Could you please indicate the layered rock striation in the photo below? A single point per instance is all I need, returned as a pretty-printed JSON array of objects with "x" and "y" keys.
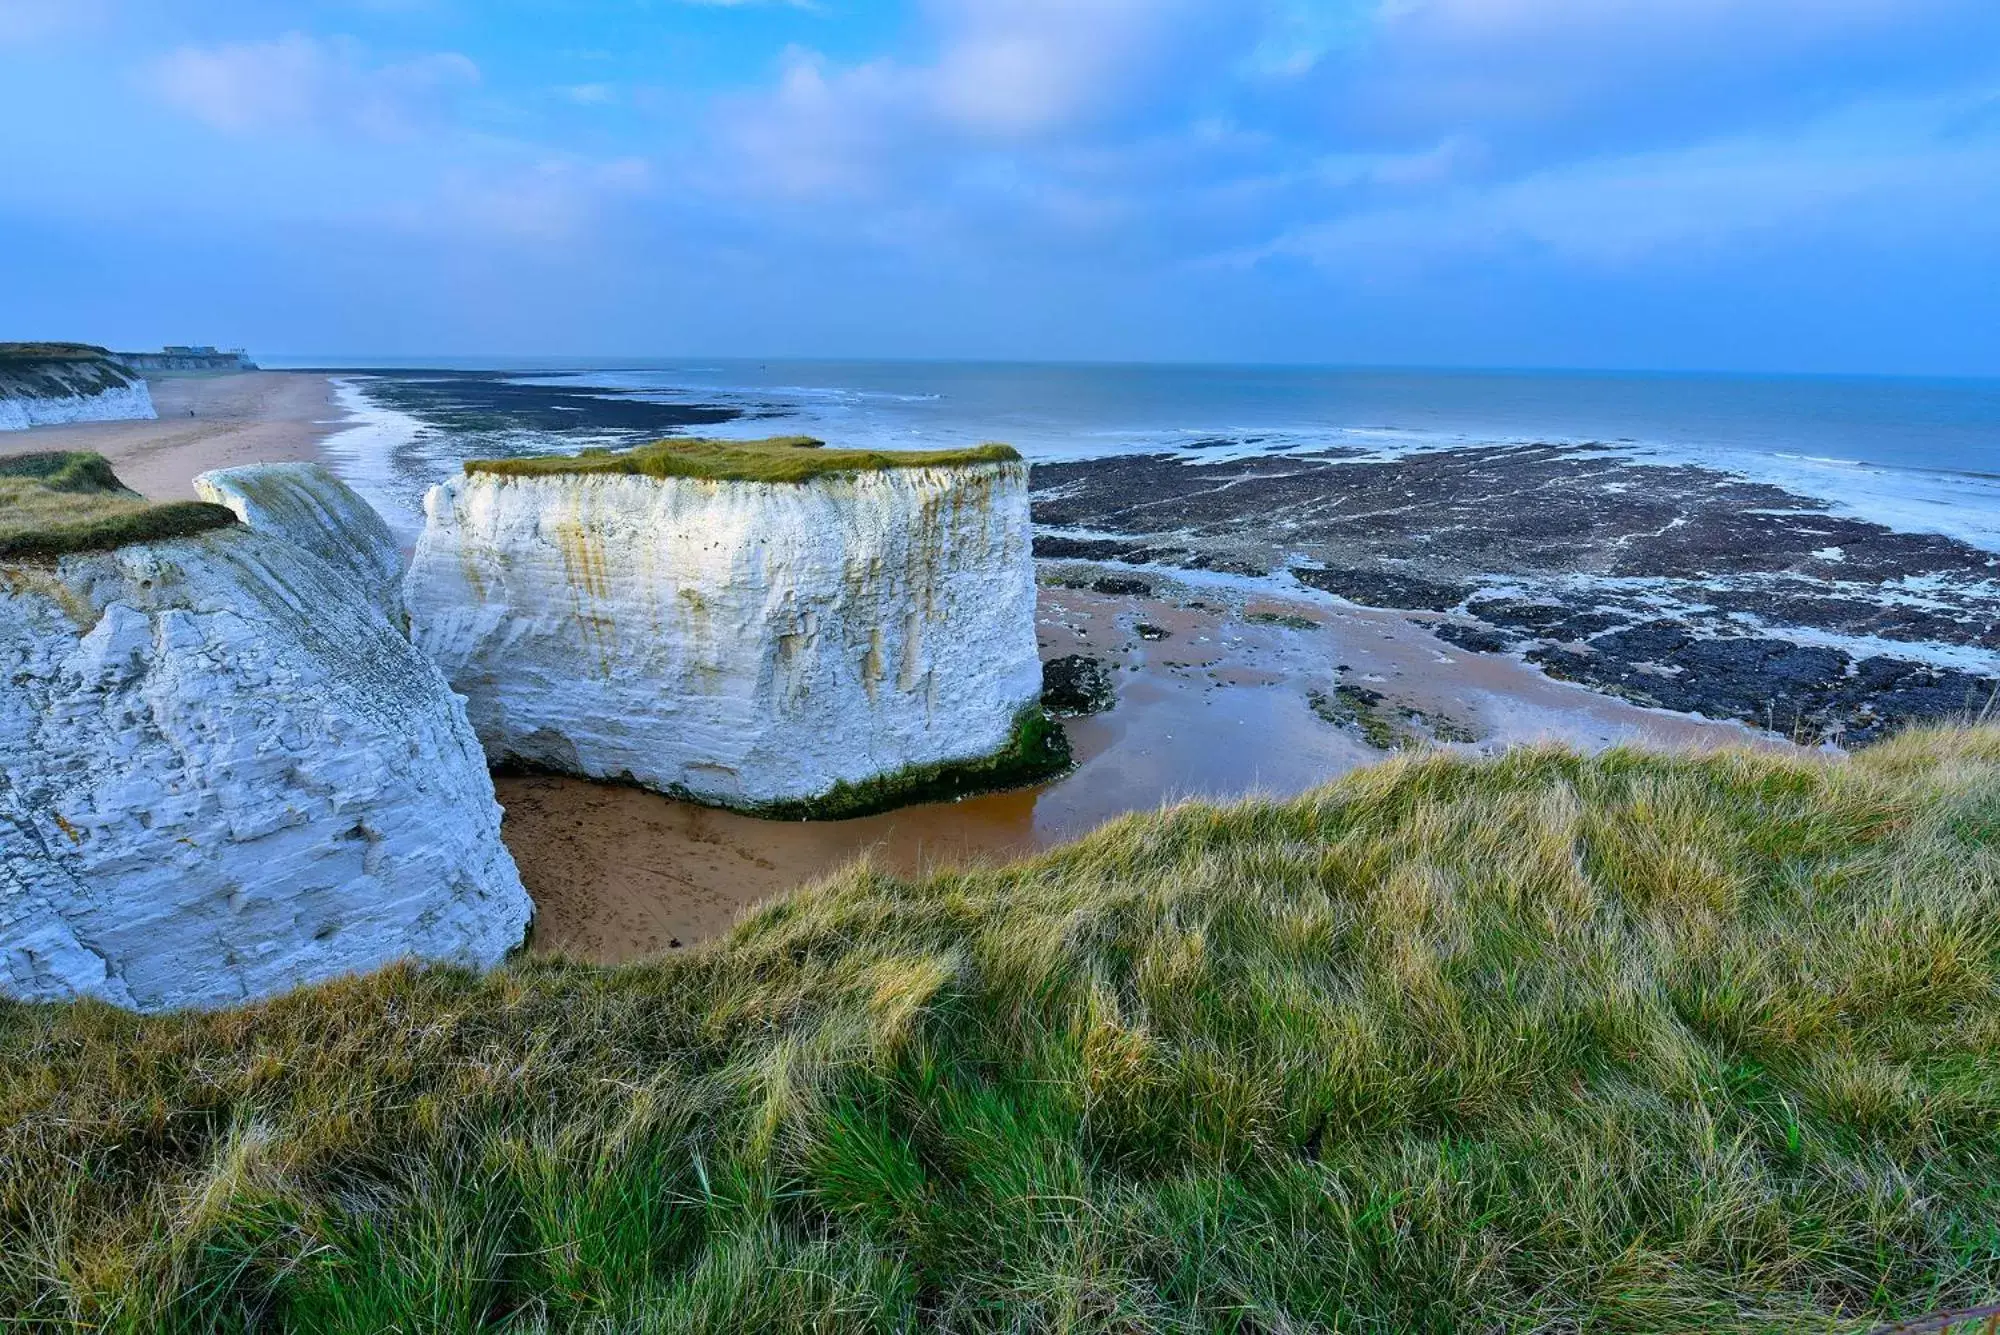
[
  {"x": 768, "y": 627},
  {"x": 306, "y": 505},
  {"x": 223, "y": 772},
  {"x": 42, "y": 384}
]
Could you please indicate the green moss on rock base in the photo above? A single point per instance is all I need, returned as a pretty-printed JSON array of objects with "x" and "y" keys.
[
  {"x": 59, "y": 504},
  {"x": 1037, "y": 751},
  {"x": 779, "y": 459}
]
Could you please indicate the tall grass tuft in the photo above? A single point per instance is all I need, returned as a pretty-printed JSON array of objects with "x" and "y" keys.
[
  {"x": 1640, "y": 1042},
  {"x": 57, "y": 504}
]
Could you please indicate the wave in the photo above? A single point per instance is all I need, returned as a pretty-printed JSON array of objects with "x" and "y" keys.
[{"x": 366, "y": 454}]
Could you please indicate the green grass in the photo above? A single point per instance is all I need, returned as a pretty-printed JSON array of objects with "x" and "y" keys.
[
  {"x": 52, "y": 352},
  {"x": 1290, "y": 621},
  {"x": 1360, "y": 709},
  {"x": 780, "y": 459},
  {"x": 58, "y": 504},
  {"x": 1635, "y": 1043}
]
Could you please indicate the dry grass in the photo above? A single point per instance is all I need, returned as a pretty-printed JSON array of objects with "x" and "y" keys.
[
  {"x": 779, "y": 459},
  {"x": 1632, "y": 1043},
  {"x": 56, "y": 504}
]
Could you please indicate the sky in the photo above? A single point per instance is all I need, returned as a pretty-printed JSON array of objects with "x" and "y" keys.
[{"x": 1738, "y": 185}]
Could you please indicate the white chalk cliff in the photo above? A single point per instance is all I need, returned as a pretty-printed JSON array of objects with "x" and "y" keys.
[
  {"x": 740, "y": 642},
  {"x": 223, "y": 773},
  {"x": 52, "y": 392},
  {"x": 308, "y": 506}
]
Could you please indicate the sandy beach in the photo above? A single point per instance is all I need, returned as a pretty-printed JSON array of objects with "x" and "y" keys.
[
  {"x": 1220, "y": 693},
  {"x": 205, "y": 421}
]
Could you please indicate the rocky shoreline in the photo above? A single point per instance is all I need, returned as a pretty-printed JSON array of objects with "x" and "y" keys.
[
  {"x": 472, "y": 402},
  {"x": 1670, "y": 585}
]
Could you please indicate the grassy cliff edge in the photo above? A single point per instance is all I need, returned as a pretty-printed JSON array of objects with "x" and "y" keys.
[
  {"x": 1632, "y": 1042},
  {"x": 59, "y": 504},
  {"x": 778, "y": 459}
]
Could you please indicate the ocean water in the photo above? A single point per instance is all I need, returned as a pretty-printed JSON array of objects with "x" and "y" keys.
[{"x": 1917, "y": 455}]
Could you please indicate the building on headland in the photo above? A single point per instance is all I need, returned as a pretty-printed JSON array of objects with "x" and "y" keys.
[{"x": 189, "y": 357}]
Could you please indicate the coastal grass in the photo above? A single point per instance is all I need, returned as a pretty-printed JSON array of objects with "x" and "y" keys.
[
  {"x": 16, "y": 353},
  {"x": 57, "y": 504},
  {"x": 779, "y": 459},
  {"x": 1639, "y": 1042}
]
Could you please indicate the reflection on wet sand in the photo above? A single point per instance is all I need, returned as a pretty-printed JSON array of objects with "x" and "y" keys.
[{"x": 1218, "y": 707}]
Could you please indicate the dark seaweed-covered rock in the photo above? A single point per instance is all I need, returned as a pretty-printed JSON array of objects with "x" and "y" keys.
[
  {"x": 1521, "y": 613},
  {"x": 1055, "y": 547},
  {"x": 1475, "y": 638},
  {"x": 1122, "y": 587},
  {"x": 1381, "y": 588},
  {"x": 1548, "y": 620},
  {"x": 1674, "y": 584},
  {"x": 501, "y": 400},
  {"x": 1806, "y": 691},
  {"x": 1077, "y": 685},
  {"x": 1051, "y": 547}
]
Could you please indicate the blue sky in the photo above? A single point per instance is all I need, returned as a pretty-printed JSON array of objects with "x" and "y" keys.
[{"x": 1677, "y": 184}]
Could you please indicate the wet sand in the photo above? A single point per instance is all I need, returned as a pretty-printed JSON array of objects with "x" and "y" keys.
[
  {"x": 206, "y": 421},
  {"x": 1219, "y": 708}
]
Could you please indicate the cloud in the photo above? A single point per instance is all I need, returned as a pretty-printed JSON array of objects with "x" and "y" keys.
[
  {"x": 1319, "y": 148},
  {"x": 298, "y": 82},
  {"x": 1376, "y": 141},
  {"x": 1881, "y": 172},
  {"x": 1004, "y": 75},
  {"x": 1573, "y": 72},
  {"x": 401, "y": 154}
]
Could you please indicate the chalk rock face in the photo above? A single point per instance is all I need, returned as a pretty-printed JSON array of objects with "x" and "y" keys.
[
  {"x": 47, "y": 393},
  {"x": 224, "y": 773},
  {"x": 308, "y": 506},
  {"x": 740, "y": 642}
]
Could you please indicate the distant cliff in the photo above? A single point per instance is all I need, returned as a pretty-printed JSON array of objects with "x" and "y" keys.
[
  {"x": 172, "y": 358},
  {"x": 46, "y": 383}
]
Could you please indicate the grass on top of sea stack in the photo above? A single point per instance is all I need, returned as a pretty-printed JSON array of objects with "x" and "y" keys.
[
  {"x": 1637, "y": 1042},
  {"x": 57, "y": 504},
  {"x": 779, "y": 459}
]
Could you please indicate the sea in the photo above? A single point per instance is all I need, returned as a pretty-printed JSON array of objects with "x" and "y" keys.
[{"x": 1918, "y": 455}]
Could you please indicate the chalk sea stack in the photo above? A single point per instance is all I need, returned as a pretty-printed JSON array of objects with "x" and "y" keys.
[
  {"x": 771, "y": 626},
  {"x": 223, "y": 771}
]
